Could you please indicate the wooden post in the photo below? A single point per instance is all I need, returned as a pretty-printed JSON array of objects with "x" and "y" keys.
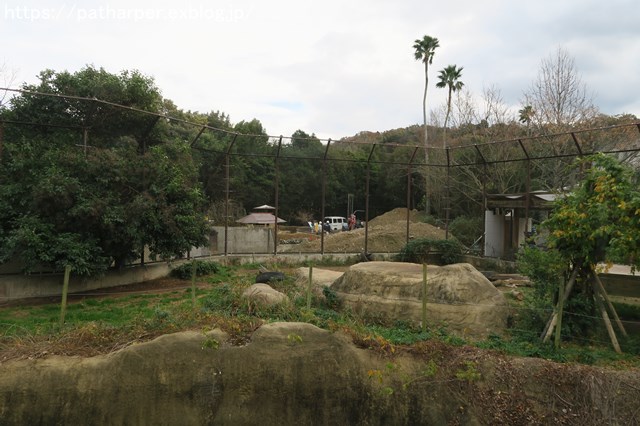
[
  {"x": 603, "y": 292},
  {"x": 65, "y": 290},
  {"x": 605, "y": 317},
  {"x": 309, "y": 286},
  {"x": 559, "y": 310},
  {"x": 194, "y": 270},
  {"x": 424, "y": 297},
  {"x": 548, "y": 330}
]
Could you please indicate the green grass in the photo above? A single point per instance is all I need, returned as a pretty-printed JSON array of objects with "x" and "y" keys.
[
  {"x": 220, "y": 305},
  {"x": 115, "y": 312}
]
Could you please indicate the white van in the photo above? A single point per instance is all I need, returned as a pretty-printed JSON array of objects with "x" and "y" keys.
[{"x": 336, "y": 223}]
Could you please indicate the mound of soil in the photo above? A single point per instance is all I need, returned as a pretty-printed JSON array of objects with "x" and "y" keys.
[{"x": 386, "y": 234}]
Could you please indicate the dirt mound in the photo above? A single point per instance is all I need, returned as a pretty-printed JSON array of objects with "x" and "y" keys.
[{"x": 387, "y": 233}]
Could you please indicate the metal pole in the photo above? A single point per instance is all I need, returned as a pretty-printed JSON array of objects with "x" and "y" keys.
[
  {"x": 366, "y": 212},
  {"x": 408, "y": 199},
  {"x": 324, "y": 193},
  {"x": 277, "y": 194},
  {"x": 226, "y": 204},
  {"x": 366, "y": 203},
  {"x": 226, "y": 195},
  {"x": 448, "y": 201},
  {"x": 527, "y": 228}
]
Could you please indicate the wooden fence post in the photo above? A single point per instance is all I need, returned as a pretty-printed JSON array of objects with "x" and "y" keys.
[
  {"x": 424, "y": 297},
  {"x": 309, "y": 285},
  {"x": 65, "y": 290},
  {"x": 194, "y": 271}
]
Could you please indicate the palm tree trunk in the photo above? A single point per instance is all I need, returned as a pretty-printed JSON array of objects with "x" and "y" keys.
[
  {"x": 446, "y": 120},
  {"x": 426, "y": 139}
]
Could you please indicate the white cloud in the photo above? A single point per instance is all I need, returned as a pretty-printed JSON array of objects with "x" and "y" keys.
[{"x": 331, "y": 68}]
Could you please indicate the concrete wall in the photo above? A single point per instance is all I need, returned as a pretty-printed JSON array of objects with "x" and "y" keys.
[
  {"x": 13, "y": 287},
  {"x": 257, "y": 239}
]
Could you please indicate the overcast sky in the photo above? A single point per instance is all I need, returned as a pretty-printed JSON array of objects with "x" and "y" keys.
[{"x": 333, "y": 68}]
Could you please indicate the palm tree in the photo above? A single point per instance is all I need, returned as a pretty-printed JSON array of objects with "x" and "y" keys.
[
  {"x": 424, "y": 51},
  {"x": 526, "y": 115},
  {"x": 449, "y": 77}
]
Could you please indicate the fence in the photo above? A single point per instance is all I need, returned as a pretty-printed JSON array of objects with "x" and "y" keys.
[{"x": 446, "y": 167}]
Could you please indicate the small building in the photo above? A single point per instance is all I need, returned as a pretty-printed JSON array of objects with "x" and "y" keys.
[
  {"x": 508, "y": 220},
  {"x": 261, "y": 215}
]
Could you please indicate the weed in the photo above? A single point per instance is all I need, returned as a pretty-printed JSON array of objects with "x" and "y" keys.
[
  {"x": 470, "y": 373},
  {"x": 210, "y": 343},
  {"x": 293, "y": 339},
  {"x": 331, "y": 298}
]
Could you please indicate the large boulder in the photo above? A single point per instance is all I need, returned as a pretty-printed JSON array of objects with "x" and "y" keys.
[
  {"x": 459, "y": 297},
  {"x": 320, "y": 278},
  {"x": 264, "y": 295},
  {"x": 298, "y": 374}
]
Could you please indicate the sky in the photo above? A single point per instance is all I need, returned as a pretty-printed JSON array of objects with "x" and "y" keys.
[{"x": 331, "y": 68}]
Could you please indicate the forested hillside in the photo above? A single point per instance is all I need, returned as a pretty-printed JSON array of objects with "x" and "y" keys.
[{"x": 94, "y": 166}]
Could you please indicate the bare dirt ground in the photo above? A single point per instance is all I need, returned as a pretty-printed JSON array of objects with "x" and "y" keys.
[{"x": 387, "y": 233}]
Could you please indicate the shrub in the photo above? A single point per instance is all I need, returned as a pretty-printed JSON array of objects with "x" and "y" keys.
[
  {"x": 417, "y": 251},
  {"x": 185, "y": 270},
  {"x": 466, "y": 229},
  {"x": 331, "y": 297}
]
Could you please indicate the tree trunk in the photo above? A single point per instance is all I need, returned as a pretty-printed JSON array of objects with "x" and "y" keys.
[
  {"x": 605, "y": 316},
  {"x": 446, "y": 120},
  {"x": 426, "y": 139},
  {"x": 548, "y": 330}
]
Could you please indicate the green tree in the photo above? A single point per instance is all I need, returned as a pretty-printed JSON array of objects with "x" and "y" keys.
[
  {"x": 62, "y": 203},
  {"x": 525, "y": 116},
  {"x": 449, "y": 77},
  {"x": 252, "y": 173},
  {"x": 599, "y": 221}
]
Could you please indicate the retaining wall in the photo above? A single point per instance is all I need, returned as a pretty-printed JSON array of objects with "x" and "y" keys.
[{"x": 17, "y": 286}]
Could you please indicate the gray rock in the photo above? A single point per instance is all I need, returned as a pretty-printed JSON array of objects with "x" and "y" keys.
[
  {"x": 264, "y": 296},
  {"x": 459, "y": 297}
]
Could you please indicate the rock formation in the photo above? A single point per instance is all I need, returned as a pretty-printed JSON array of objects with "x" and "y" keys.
[{"x": 459, "y": 297}]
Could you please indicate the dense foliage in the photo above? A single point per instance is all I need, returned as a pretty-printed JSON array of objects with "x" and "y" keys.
[
  {"x": 186, "y": 270},
  {"x": 600, "y": 219},
  {"x": 64, "y": 203},
  {"x": 596, "y": 221},
  {"x": 91, "y": 184},
  {"x": 419, "y": 251}
]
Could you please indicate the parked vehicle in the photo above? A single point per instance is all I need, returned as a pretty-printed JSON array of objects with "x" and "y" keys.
[{"x": 336, "y": 223}]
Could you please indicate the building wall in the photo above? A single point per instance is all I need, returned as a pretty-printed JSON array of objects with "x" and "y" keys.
[
  {"x": 503, "y": 237},
  {"x": 493, "y": 234}
]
